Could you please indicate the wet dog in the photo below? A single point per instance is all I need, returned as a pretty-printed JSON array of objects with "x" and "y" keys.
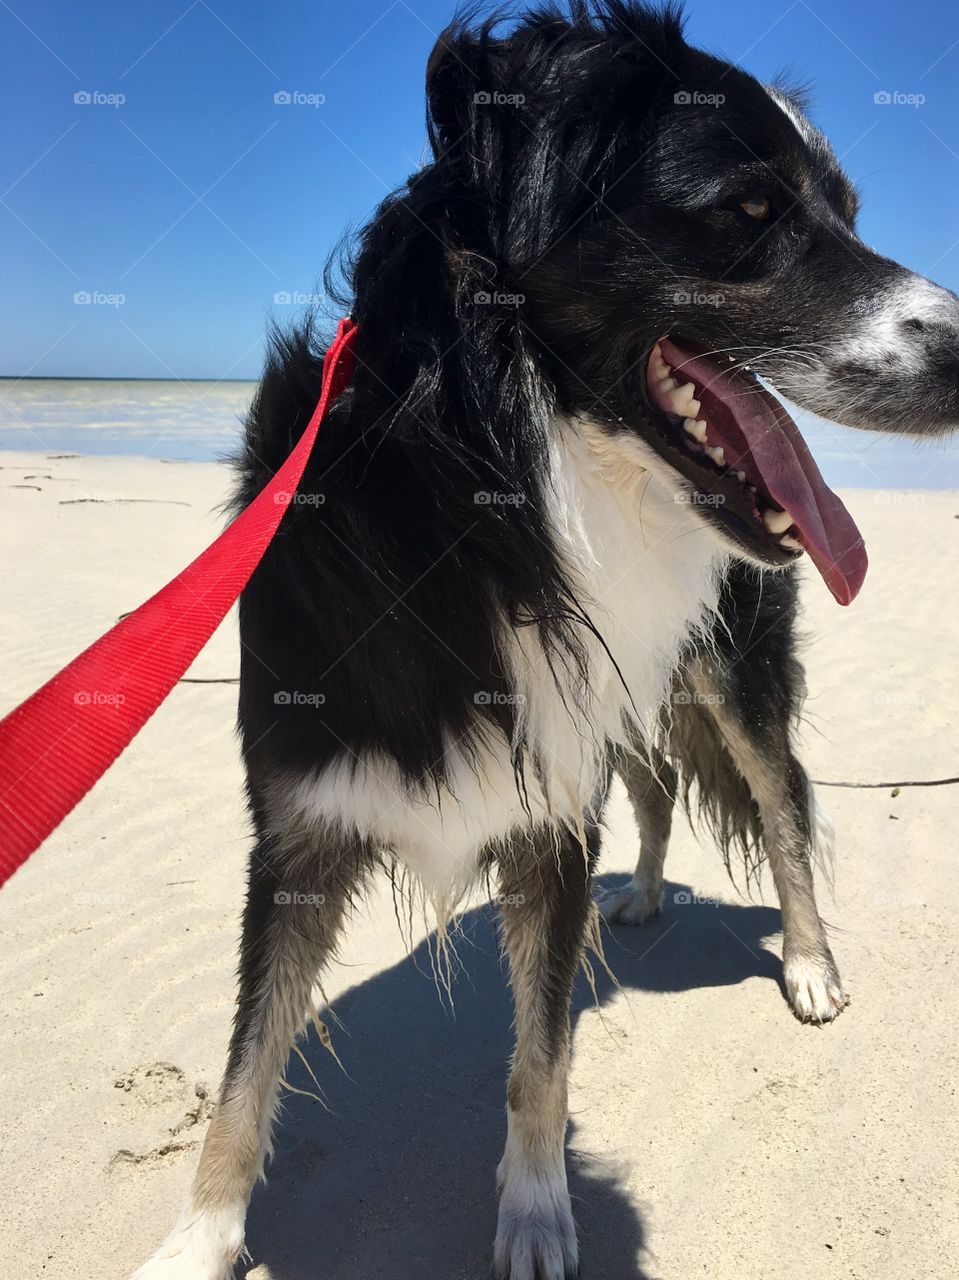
[{"x": 547, "y": 535}]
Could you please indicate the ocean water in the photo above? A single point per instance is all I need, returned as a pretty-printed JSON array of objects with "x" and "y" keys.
[
  {"x": 196, "y": 421},
  {"x": 200, "y": 421}
]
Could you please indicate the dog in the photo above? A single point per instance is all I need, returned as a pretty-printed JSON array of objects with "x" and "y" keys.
[{"x": 548, "y": 535}]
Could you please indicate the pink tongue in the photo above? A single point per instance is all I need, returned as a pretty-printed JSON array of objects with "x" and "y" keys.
[{"x": 780, "y": 456}]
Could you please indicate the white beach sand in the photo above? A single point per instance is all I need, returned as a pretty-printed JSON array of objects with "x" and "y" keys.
[{"x": 711, "y": 1134}]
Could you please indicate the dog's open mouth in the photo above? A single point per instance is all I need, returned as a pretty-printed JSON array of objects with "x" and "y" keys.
[{"x": 738, "y": 446}]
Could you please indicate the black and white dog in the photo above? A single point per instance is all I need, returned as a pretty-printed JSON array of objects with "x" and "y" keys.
[{"x": 547, "y": 534}]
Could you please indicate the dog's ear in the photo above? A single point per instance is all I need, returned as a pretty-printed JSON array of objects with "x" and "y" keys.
[
  {"x": 457, "y": 68},
  {"x": 472, "y": 83}
]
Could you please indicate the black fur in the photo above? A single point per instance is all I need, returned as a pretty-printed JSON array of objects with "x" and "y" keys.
[{"x": 579, "y": 186}]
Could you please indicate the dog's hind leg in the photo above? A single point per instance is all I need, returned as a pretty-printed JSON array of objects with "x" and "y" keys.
[
  {"x": 651, "y": 784},
  {"x": 298, "y": 890},
  {"x": 547, "y": 912}
]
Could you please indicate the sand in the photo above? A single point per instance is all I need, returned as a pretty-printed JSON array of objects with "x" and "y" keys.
[{"x": 711, "y": 1135}]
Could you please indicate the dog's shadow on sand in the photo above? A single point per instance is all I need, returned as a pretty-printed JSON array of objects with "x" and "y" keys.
[{"x": 396, "y": 1180}]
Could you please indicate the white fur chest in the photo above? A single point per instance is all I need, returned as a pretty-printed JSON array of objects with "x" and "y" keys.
[
  {"x": 642, "y": 553},
  {"x": 645, "y": 568}
]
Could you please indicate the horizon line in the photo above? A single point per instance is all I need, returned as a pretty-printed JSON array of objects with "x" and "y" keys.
[{"x": 106, "y": 377}]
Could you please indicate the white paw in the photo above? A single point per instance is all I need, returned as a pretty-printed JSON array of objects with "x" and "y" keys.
[
  {"x": 202, "y": 1246},
  {"x": 814, "y": 988},
  {"x": 633, "y": 903},
  {"x": 535, "y": 1233}
]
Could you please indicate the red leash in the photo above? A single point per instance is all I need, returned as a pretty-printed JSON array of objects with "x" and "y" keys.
[{"x": 55, "y": 746}]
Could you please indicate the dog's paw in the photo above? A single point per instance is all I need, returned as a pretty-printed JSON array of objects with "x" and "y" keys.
[
  {"x": 180, "y": 1268},
  {"x": 630, "y": 904},
  {"x": 202, "y": 1246},
  {"x": 535, "y": 1234},
  {"x": 814, "y": 988}
]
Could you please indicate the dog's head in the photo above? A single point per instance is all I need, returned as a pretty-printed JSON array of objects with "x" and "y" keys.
[{"x": 651, "y": 227}]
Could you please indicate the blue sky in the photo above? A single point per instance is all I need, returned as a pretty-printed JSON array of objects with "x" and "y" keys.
[{"x": 198, "y": 199}]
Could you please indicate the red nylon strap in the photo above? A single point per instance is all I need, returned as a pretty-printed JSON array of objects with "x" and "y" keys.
[{"x": 55, "y": 746}]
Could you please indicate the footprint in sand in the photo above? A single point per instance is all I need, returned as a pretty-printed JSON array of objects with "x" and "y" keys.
[
  {"x": 154, "y": 1083},
  {"x": 199, "y": 1112},
  {"x": 163, "y": 1155},
  {"x": 157, "y": 1084}
]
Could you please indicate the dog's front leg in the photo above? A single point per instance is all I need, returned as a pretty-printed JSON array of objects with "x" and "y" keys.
[
  {"x": 295, "y": 904},
  {"x": 763, "y": 754},
  {"x": 546, "y": 912}
]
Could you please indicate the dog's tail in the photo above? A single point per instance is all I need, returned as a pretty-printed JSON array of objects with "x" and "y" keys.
[{"x": 282, "y": 406}]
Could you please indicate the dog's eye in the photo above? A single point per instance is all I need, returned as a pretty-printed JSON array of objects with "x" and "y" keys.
[{"x": 756, "y": 208}]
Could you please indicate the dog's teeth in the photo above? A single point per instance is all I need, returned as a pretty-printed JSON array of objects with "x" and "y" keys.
[
  {"x": 777, "y": 522},
  {"x": 697, "y": 429},
  {"x": 684, "y": 406},
  {"x": 792, "y": 544},
  {"x": 717, "y": 455},
  {"x": 668, "y": 384},
  {"x": 740, "y": 476}
]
